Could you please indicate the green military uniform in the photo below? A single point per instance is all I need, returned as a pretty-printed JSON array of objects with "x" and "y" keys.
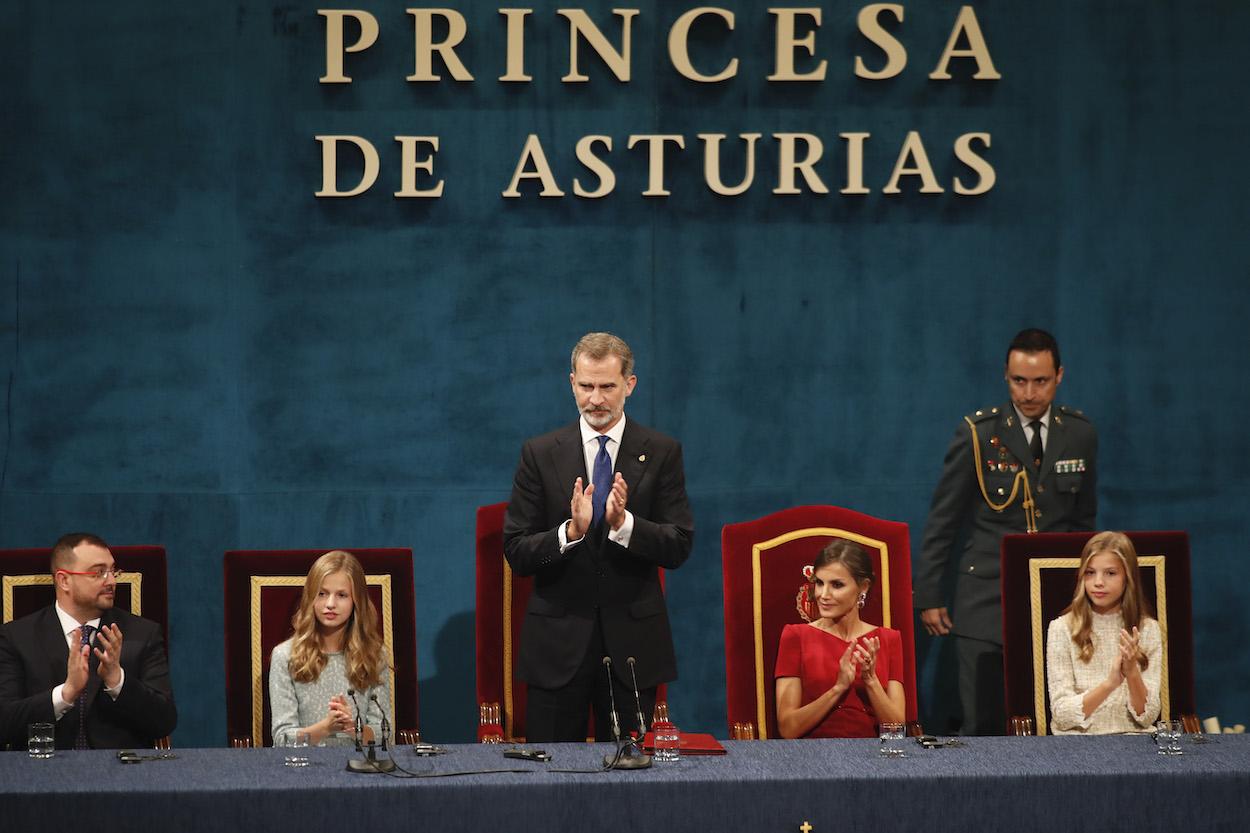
[{"x": 1064, "y": 499}]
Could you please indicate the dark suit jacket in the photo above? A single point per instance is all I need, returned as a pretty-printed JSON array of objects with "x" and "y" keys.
[
  {"x": 33, "y": 657},
  {"x": 1066, "y": 500},
  {"x": 597, "y": 576}
]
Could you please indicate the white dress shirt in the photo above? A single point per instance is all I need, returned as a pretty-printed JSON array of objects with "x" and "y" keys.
[{"x": 1027, "y": 424}]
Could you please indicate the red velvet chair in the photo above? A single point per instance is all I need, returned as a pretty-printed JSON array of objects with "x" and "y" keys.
[
  {"x": 501, "y": 602},
  {"x": 143, "y": 590},
  {"x": 1038, "y": 576},
  {"x": 762, "y": 563},
  {"x": 500, "y": 610},
  {"x": 262, "y": 590}
]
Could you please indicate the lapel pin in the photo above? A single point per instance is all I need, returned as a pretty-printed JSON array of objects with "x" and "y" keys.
[{"x": 642, "y": 458}]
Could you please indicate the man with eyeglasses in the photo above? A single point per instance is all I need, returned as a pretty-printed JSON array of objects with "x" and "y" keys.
[{"x": 98, "y": 672}]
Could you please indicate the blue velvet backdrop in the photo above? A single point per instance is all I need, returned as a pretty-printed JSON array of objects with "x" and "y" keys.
[{"x": 197, "y": 352}]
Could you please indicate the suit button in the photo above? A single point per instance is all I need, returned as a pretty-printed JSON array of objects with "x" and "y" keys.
[
  {"x": 1040, "y": 488},
  {"x": 972, "y": 569}
]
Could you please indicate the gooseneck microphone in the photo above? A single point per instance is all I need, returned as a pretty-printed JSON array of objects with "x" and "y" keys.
[
  {"x": 370, "y": 762},
  {"x": 386, "y": 723},
  {"x": 616, "y": 721},
  {"x": 628, "y": 755},
  {"x": 359, "y": 725},
  {"x": 642, "y": 722}
]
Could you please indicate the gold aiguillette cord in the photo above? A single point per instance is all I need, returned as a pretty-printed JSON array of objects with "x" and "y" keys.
[{"x": 1021, "y": 478}]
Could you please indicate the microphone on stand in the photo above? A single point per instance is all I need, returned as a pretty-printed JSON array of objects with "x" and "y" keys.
[
  {"x": 369, "y": 763},
  {"x": 616, "y": 721},
  {"x": 628, "y": 755},
  {"x": 386, "y": 724},
  {"x": 642, "y": 722},
  {"x": 359, "y": 726}
]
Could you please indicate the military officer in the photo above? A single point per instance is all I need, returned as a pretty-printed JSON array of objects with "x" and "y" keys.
[{"x": 1024, "y": 466}]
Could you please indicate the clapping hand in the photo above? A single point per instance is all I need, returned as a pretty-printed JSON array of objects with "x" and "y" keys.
[
  {"x": 339, "y": 718},
  {"x": 848, "y": 667},
  {"x": 614, "y": 512},
  {"x": 581, "y": 510},
  {"x": 1130, "y": 652},
  {"x": 109, "y": 652},
  {"x": 866, "y": 656},
  {"x": 76, "y": 669}
]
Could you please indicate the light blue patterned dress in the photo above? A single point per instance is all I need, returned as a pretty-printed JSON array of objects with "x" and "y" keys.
[{"x": 296, "y": 705}]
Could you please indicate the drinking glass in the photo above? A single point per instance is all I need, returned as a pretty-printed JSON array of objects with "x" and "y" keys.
[
  {"x": 40, "y": 740},
  {"x": 298, "y": 754},
  {"x": 1168, "y": 737},
  {"x": 491, "y": 730},
  {"x": 892, "y": 739},
  {"x": 666, "y": 736}
]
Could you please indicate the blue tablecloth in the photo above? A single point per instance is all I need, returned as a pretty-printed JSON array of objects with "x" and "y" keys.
[{"x": 1016, "y": 784}]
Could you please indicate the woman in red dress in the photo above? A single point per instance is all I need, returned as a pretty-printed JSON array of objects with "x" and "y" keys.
[{"x": 838, "y": 676}]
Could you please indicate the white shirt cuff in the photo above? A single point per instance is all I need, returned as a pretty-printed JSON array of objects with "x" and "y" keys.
[
  {"x": 562, "y": 535},
  {"x": 117, "y": 689},
  {"x": 621, "y": 536},
  {"x": 59, "y": 706}
]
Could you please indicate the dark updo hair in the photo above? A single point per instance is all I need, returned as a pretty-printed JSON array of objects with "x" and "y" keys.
[{"x": 851, "y": 556}]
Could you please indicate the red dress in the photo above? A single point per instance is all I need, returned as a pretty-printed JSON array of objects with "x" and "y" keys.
[{"x": 813, "y": 655}]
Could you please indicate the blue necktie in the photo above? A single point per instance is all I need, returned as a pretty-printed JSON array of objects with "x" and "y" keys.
[
  {"x": 602, "y": 478},
  {"x": 81, "y": 703}
]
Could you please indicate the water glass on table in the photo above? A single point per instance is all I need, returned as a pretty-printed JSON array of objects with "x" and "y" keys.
[
  {"x": 892, "y": 738},
  {"x": 297, "y": 756},
  {"x": 667, "y": 737},
  {"x": 490, "y": 728},
  {"x": 1168, "y": 737},
  {"x": 41, "y": 740}
]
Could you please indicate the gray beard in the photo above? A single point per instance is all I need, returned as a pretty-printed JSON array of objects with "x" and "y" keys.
[{"x": 597, "y": 419}]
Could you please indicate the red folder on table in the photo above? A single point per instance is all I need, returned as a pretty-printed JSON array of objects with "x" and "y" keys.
[{"x": 692, "y": 743}]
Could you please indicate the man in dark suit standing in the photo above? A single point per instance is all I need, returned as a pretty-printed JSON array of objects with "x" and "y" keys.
[
  {"x": 1023, "y": 466},
  {"x": 99, "y": 673},
  {"x": 596, "y": 508}
]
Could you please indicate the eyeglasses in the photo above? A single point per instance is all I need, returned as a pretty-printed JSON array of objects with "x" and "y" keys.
[{"x": 98, "y": 575}]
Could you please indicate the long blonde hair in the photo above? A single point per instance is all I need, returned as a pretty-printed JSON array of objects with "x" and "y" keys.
[
  {"x": 362, "y": 645},
  {"x": 1133, "y": 606}
]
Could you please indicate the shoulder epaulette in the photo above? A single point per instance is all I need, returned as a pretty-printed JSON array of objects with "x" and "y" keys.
[
  {"x": 983, "y": 414},
  {"x": 1073, "y": 412}
]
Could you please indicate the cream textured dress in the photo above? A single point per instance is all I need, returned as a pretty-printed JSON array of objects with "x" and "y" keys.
[{"x": 1068, "y": 678}]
